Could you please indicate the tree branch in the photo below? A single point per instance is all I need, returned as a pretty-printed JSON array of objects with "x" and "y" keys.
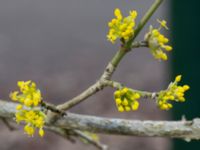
[
  {"x": 7, "y": 111},
  {"x": 99, "y": 85},
  {"x": 71, "y": 134},
  {"x": 81, "y": 97},
  {"x": 112, "y": 65},
  {"x": 84, "y": 136},
  {"x": 183, "y": 129},
  {"x": 144, "y": 20},
  {"x": 140, "y": 44},
  {"x": 118, "y": 85},
  {"x": 66, "y": 134},
  {"x": 175, "y": 129},
  {"x": 8, "y": 125}
]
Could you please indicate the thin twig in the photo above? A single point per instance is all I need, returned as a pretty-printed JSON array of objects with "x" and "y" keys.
[
  {"x": 140, "y": 44},
  {"x": 97, "y": 144},
  {"x": 81, "y": 97},
  {"x": 52, "y": 108},
  {"x": 8, "y": 125},
  {"x": 118, "y": 85},
  {"x": 71, "y": 134},
  {"x": 112, "y": 65},
  {"x": 144, "y": 20},
  {"x": 65, "y": 133}
]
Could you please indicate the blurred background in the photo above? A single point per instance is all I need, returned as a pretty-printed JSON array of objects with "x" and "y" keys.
[{"x": 62, "y": 46}]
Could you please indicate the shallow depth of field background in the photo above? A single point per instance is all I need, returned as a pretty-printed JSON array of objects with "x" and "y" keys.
[{"x": 62, "y": 46}]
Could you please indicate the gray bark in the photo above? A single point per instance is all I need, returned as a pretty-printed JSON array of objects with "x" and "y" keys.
[{"x": 187, "y": 130}]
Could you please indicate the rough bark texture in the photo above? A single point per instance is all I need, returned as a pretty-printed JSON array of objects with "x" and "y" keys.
[{"x": 187, "y": 130}]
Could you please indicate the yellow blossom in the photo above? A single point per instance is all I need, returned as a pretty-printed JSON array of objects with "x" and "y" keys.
[
  {"x": 178, "y": 78},
  {"x": 29, "y": 97},
  {"x": 19, "y": 107},
  {"x": 117, "y": 93},
  {"x": 121, "y": 27},
  {"x": 13, "y": 96},
  {"x": 41, "y": 132},
  {"x": 186, "y": 87},
  {"x": 157, "y": 41},
  {"x": 127, "y": 108},
  {"x": 126, "y": 99},
  {"x": 163, "y": 23},
  {"x": 135, "y": 105},
  {"x": 174, "y": 92},
  {"x": 29, "y": 130},
  {"x": 118, "y": 101},
  {"x": 120, "y": 108}
]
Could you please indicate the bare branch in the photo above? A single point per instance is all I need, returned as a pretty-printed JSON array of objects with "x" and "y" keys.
[
  {"x": 175, "y": 129},
  {"x": 99, "y": 85},
  {"x": 118, "y": 85},
  {"x": 71, "y": 134},
  {"x": 183, "y": 129},
  {"x": 90, "y": 140},
  {"x": 81, "y": 97},
  {"x": 144, "y": 20},
  {"x": 65, "y": 133},
  {"x": 53, "y": 108},
  {"x": 8, "y": 125},
  {"x": 140, "y": 44},
  {"x": 112, "y": 65}
]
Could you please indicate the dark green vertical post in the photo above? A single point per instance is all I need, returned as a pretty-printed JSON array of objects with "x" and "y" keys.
[{"x": 186, "y": 60}]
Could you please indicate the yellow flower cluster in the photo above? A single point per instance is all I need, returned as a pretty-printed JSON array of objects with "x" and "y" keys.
[
  {"x": 29, "y": 97},
  {"x": 157, "y": 41},
  {"x": 33, "y": 119},
  {"x": 121, "y": 27},
  {"x": 126, "y": 99},
  {"x": 174, "y": 92}
]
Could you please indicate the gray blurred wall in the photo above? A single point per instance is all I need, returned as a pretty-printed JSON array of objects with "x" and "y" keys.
[{"x": 62, "y": 46}]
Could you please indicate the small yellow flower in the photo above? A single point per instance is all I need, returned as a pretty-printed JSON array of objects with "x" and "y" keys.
[
  {"x": 121, "y": 27},
  {"x": 157, "y": 41},
  {"x": 19, "y": 107},
  {"x": 118, "y": 14},
  {"x": 135, "y": 105},
  {"x": 13, "y": 95},
  {"x": 39, "y": 122},
  {"x": 117, "y": 93},
  {"x": 121, "y": 108},
  {"x": 118, "y": 101},
  {"x": 41, "y": 132},
  {"x": 28, "y": 102},
  {"x": 137, "y": 95},
  {"x": 29, "y": 130},
  {"x": 178, "y": 78},
  {"x": 174, "y": 92},
  {"x": 19, "y": 116},
  {"x": 126, "y": 99},
  {"x": 163, "y": 23},
  {"x": 125, "y": 102},
  {"x": 30, "y": 97},
  {"x": 124, "y": 90},
  {"x": 128, "y": 108},
  {"x": 186, "y": 87}
]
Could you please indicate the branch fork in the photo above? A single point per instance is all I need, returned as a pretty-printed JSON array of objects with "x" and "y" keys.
[{"x": 60, "y": 122}]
